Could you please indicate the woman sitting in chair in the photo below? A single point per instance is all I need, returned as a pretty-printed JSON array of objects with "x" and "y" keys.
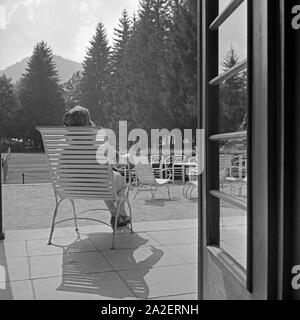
[{"x": 80, "y": 116}]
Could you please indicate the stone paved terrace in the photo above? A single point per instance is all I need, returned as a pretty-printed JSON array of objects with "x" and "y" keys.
[{"x": 158, "y": 261}]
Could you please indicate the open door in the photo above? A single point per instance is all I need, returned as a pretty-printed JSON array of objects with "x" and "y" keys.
[{"x": 241, "y": 82}]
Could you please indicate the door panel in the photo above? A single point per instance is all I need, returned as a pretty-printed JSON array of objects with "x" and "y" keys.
[{"x": 236, "y": 190}]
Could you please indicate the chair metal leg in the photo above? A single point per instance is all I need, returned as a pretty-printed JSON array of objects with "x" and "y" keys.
[
  {"x": 168, "y": 187},
  {"x": 53, "y": 220},
  {"x": 231, "y": 184},
  {"x": 153, "y": 193},
  {"x": 116, "y": 224},
  {"x": 114, "y": 234},
  {"x": 130, "y": 213},
  {"x": 75, "y": 217},
  {"x": 192, "y": 190},
  {"x": 136, "y": 193},
  {"x": 185, "y": 189}
]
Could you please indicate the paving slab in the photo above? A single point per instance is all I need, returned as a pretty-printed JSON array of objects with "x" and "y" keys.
[
  {"x": 162, "y": 282},
  {"x": 187, "y": 252},
  {"x": 175, "y": 236}
]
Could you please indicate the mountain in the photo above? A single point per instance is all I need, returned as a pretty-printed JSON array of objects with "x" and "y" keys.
[{"x": 65, "y": 68}]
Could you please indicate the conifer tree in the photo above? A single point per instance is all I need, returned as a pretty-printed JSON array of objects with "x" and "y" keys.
[
  {"x": 148, "y": 60},
  {"x": 117, "y": 107},
  {"x": 8, "y": 107},
  {"x": 96, "y": 75},
  {"x": 72, "y": 90},
  {"x": 130, "y": 105},
  {"x": 180, "y": 76},
  {"x": 40, "y": 94},
  {"x": 121, "y": 39},
  {"x": 233, "y": 96}
]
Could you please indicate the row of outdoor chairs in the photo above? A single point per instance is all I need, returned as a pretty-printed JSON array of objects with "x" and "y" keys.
[{"x": 175, "y": 165}]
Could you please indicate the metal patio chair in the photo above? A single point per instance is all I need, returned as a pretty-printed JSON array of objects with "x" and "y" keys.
[
  {"x": 76, "y": 174},
  {"x": 192, "y": 183},
  {"x": 237, "y": 173},
  {"x": 148, "y": 182},
  {"x": 156, "y": 162},
  {"x": 175, "y": 163}
]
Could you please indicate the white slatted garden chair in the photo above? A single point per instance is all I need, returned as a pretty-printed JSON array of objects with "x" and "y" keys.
[
  {"x": 192, "y": 183},
  {"x": 237, "y": 173},
  {"x": 175, "y": 162},
  {"x": 156, "y": 162},
  {"x": 147, "y": 180},
  {"x": 76, "y": 174}
]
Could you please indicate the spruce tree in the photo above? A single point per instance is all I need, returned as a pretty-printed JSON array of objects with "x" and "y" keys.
[
  {"x": 96, "y": 74},
  {"x": 121, "y": 39},
  {"x": 233, "y": 96},
  {"x": 40, "y": 94},
  {"x": 72, "y": 90},
  {"x": 130, "y": 104},
  {"x": 8, "y": 108},
  {"x": 148, "y": 60},
  {"x": 117, "y": 108},
  {"x": 230, "y": 60},
  {"x": 180, "y": 75}
]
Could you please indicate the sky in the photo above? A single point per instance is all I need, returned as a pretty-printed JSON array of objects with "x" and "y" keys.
[
  {"x": 66, "y": 25},
  {"x": 233, "y": 33}
]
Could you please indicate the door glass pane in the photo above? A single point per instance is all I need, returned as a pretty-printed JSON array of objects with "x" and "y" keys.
[{"x": 233, "y": 157}]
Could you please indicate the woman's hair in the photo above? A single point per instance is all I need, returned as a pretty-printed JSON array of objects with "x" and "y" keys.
[{"x": 78, "y": 117}]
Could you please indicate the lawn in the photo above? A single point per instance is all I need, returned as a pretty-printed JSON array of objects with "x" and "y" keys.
[{"x": 32, "y": 165}]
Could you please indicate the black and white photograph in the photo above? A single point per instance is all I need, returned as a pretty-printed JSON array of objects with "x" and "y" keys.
[{"x": 150, "y": 151}]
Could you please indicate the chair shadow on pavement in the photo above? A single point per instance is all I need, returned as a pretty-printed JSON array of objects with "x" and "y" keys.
[{"x": 89, "y": 277}]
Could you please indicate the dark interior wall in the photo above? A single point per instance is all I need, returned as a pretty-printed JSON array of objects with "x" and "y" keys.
[{"x": 291, "y": 201}]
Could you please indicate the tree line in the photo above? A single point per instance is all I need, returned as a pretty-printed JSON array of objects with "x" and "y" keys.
[{"x": 147, "y": 77}]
